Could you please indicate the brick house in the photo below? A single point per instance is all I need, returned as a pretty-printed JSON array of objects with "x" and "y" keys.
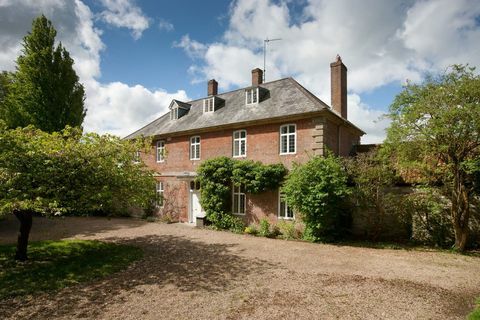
[{"x": 274, "y": 122}]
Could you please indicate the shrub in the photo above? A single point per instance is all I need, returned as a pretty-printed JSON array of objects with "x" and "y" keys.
[
  {"x": 288, "y": 230},
  {"x": 317, "y": 190},
  {"x": 236, "y": 225},
  {"x": 251, "y": 229},
  {"x": 264, "y": 228}
]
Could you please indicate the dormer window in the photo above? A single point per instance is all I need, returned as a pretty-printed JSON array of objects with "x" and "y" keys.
[
  {"x": 178, "y": 109},
  {"x": 174, "y": 114},
  {"x": 209, "y": 104},
  {"x": 251, "y": 96}
]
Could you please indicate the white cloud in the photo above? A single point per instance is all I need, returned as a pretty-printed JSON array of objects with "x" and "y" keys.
[
  {"x": 124, "y": 13},
  {"x": 165, "y": 25},
  {"x": 115, "y": 107},
  {"x": 381, "y": 42},
  {"x": 193, "y": 48}
]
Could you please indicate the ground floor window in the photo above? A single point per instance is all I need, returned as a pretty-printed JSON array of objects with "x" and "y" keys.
[
  {"x": 239, "y": 199},
  {"x": 284, "y": 211},
  {"x": 159, "y": 194}
]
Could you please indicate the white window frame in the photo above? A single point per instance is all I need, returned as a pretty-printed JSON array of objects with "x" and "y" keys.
[
  {"x": 159, "y": 191},
  {"x": 195, "y": 146},
  {"x": 249, "y": 94},
  {"x": 238, "y": 192},
  {"x": 209, "y": 105},
  {"x": 136, "y": 157},
  {"x": 284, "y": 217},
  {"x": 174, "y": 114},
  {"x": 239, "y": 140},
  {"x": 160, "y": 151},
  {"x": 288, "y": 134}
]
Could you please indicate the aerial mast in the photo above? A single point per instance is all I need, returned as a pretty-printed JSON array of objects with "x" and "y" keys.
[{"x": 265, "y": 54}]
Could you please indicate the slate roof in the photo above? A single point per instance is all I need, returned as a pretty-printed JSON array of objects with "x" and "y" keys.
[{"x": 285, "y": 97}]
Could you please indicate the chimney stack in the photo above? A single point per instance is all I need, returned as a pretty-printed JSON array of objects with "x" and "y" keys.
[
  {"x": 212, "y": 87},
  {"x": 338, "y": 85},
  {"x": 257, "y": 77}
]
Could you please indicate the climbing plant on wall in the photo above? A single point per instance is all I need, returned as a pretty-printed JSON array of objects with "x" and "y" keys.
[{"x": 218, "y": 175}]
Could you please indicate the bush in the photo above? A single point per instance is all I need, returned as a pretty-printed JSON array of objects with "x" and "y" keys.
[
  {"x": 236, "y": 225},
  {"x": 318, "y": 190},
  {"x": 251, "y": 229},
  {"x": 264, "y": 228},
  {"x": 288, "y": 230}
]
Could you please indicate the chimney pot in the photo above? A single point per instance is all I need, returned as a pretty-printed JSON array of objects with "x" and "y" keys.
[
  {"x": 212, "y": 87},
  {"x": 257, "y": 77},
  {"x": 338, "y": 73}
]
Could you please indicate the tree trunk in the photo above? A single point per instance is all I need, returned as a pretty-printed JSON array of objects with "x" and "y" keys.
[
  {"x": 460, "y": 211},
  {"x": 25, "y": 218}
]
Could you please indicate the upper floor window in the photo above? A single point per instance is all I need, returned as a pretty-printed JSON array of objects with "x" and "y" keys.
[
  {"x": 159, "y": 194},
  {"x": 288, "y": 139},
  {"x": 239, "y": 199},
  {"x": 284, "y": 211},
  {"x": 174, "y": 114},
  {"x": 251, "y": 96},
  {"x": 136, "y": 157},
  {"x": 240, "y": 143},
  {"x": 195, "y": 148},
  {"x": 209, "y": 104},
  {"x": 160, "y": 151}
]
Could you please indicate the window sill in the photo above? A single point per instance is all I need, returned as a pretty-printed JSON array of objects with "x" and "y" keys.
[
  {"x": 194, "y": 159},
  {"x": 238, "y": 214},
  {"x": 288, "y": 153},
  {"x": 160, "y": 161},
  {"x": 283, "y": 218},
  {"x": 240, "y": 156}
]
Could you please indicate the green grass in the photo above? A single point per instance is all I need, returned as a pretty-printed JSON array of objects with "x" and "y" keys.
[
  {"x": 475, "y": 314},
  {"x": 53, "y": 265}
]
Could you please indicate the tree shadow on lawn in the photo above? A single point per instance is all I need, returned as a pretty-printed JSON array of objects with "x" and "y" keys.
[
  {"x": 55, "y": 228},
  {"x": 190, "y": 266}
]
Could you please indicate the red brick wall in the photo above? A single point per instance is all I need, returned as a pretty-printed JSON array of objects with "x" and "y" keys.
[{"x": 262, "y": 145}]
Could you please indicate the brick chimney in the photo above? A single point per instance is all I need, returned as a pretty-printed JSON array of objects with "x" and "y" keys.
[
  {"x": 212, "y": 87},
  {"x": 257, "y": 77},
  {"x": 338, "y": 85}
]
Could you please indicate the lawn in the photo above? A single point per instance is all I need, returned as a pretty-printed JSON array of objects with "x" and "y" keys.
[
  {"x": 475, "y": 315},
  {"x": 53, "y": 265}
]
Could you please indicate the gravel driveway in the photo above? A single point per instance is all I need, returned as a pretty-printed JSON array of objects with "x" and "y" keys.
[{"x": 190, "y": 273}]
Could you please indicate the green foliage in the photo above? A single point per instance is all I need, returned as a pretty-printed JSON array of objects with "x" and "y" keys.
[
  {"x": 317, "y": 190},
  {"x": 288, "y": 230},
  {"x": 431, "y": 223},
  {"x": 436, "y": 131},
  {"x": 44, "y": 90},
  {"x": 5, "y": 79},
  {"x": 236, "y": 224},
  {"x": 475, "y": 314},
  {"x": 57, "y": 264},
  {"x": 216, "y": 177},
  {"x": 264, "y": 230},
  {"x": 251, "y": 229},
  {"x": 67, "y": 172},
  {"x": 371, "y": 175}
]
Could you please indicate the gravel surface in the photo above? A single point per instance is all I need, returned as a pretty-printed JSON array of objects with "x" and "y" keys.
[{"x": 190, "y": 273}]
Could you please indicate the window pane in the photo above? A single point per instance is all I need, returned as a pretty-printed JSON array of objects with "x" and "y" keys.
[
  {"x": 235, "y": 203},
  {"x": 249, "y": 97},
  {"x": 283, "y": 144},
  {"x": 192, "y": 151},
  {"x": 283, "y": 129},
  {"x": 242, "y": 148},
  {"x": 243, "y": 134},
  {"x": 197, "y": 152},
  {"x": 282, "y": 209},
  {"x": 289, "y": 212},
  {"x": 236, "y": 148},
  {"x": 236, "y": 134},
  {"x": 291, "y": 129},
  {"x": 242, "y": 203},
  {"x": 254, "y": 93},
  {"x": 291, "y": 143}
]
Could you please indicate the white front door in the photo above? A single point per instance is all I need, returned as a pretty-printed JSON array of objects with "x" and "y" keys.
[{"x": 195, "y": 207}]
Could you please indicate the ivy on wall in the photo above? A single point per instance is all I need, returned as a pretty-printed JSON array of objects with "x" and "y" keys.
[{"x": 218, "y": 175}]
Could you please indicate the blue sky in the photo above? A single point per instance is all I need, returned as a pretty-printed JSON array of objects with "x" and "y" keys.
[{"x": 134, "y": 56}]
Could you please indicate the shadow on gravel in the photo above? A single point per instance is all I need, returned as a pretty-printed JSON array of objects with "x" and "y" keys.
[
  {"x": 168, "y": 260},
  {"x": 56, "y": 228}
]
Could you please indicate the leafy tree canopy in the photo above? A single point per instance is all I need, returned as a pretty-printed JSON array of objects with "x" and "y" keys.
[
  {"x": 44, "y": 91},
  {"x": 436, "y": 130}
]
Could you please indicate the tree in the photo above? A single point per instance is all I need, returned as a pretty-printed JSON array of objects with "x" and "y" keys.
[
  {"x": 436, "y": 131},
  {"x": 44, "y": 90},
  {"x": 67, "y": 172},
  {"x": 4, "y": 82},
  {"x": 317, "y": 190}
]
